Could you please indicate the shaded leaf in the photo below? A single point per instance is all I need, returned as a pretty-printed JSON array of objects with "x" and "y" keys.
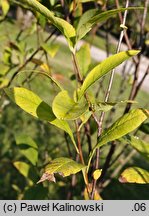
[
  {"x": 141, "y": 146},
  {"x": 63, "y": 166},
  {"x": 51, "y": 49},
  {"x": 103, "y": 68},
  {"x": 84, "y": 118},
  {"x": 27, "y": 147},
  {"x": 22, "y": 167},
  {"x": 84, "y": 58},
  {"x": 134, "y": 175},
  {"x": 66, "y": 28},
  {"x": 121, "y": 127},
  {"x": 65, "y": 108},
  {"x": 144, "y": 128},
  {"x": 106, "y": 106},
  {"x": 93, "y": 16},
  {"x": 33, "y": 104}
]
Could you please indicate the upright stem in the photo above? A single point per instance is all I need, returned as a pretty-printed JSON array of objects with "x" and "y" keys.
[
  {"x": 134, "y": 91},
  {"x": 106, "y": 99}
]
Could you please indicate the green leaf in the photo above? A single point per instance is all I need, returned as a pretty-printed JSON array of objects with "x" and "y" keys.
[
  {"x": 66, "y": 28},
  {"x": 106, "y": 106},
  {"x": 33, "y": 104},
  {"x": 22, "y": 167},
  {"x": 134, "y": 175},
  {"x": 27, "y": 171},
  {"x": 51, "y": 49},
  {"x": 121, "y": 127},
  {"x": 84, "y": 58},
  {"x": 141, "y": 146},
  {"x": 65, "y": 108},
  {"x": 93, "y": 16},
  {"x": 27, "y": 147},
  {"x": 5, "y": 7},
  {"x": 84, "y": 118},
  {"x": 103, "y": 68},
  {"x": 63, "y": 166},
  {"x": 144, "y": 128}
]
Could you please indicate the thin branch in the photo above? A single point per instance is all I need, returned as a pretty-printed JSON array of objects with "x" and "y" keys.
[
  {"x": 106, "y": 99},
  {"x": 79, "y": 143}
]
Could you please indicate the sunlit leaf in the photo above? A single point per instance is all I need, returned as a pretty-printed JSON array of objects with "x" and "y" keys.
[
  {"x": 121, "y": 127},
  {"x": 51, "y": 49},
  {"x": 84, "y": 58},
  {"x": 97, "y": 174},
  {"x": 134, "y": 175},
  {"x": 84, "y": 118},
  {"x": 103, "y": 68},
  {"x": 5, "y": 7},
  {"x": 27, "y": 147},
  {"x": 93, "y": 16},
  {"x": 66, "y": 28},
  {"x": 22, "y": 167},
  {"x": 88, "y": 189},
  {"x": 65, "y": 108},
  {"x": 33, "y": 104},
  {"x": 63, "y": 166}
]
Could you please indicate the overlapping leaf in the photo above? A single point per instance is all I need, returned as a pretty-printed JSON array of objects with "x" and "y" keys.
[
  {"x": 103, "y": 68},
  {"x": 141, "y": 146},
  {"x": 33, "y": 104},
  {"x": 121, "y": 127},
  {"x": 93, "y": 16},
  {"x": 67, "y": 29},
  {"x": 84, "y": 58},
  {"x": 63, "y": 166},
  {"x": 65, "y": 108},
  {"x": 27, "y": 147},
  {"x": 134, "y": 175}
]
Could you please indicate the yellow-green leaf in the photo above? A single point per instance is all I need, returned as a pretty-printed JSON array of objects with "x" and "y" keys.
[
  {"x": 33, "y": 104},
  {"x": 27, "y": 147},
  {"x": 84, "y": 58},
  {"x": 51, "y": 49},
  {"x": 141, "y": 146},
  {"x": 93, "y": 16},
  {"x": 22, "y": 167},
  {"x": 103, "y": 68},
  {"x": 134, "y": 175},
  {"x": 65, "y": 108},
  {"x": 5, "y": 7},
  {"x": 97, "y": 174},
  {"x": 121, "y": 127},
  {"x": 66, "y": 28},
  {"x": 63, "y": 166}
]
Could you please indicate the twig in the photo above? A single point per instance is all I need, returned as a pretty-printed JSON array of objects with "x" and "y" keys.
[
  {"x": 106, "y": 99},
  {"x": 79, "y": 143}
]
